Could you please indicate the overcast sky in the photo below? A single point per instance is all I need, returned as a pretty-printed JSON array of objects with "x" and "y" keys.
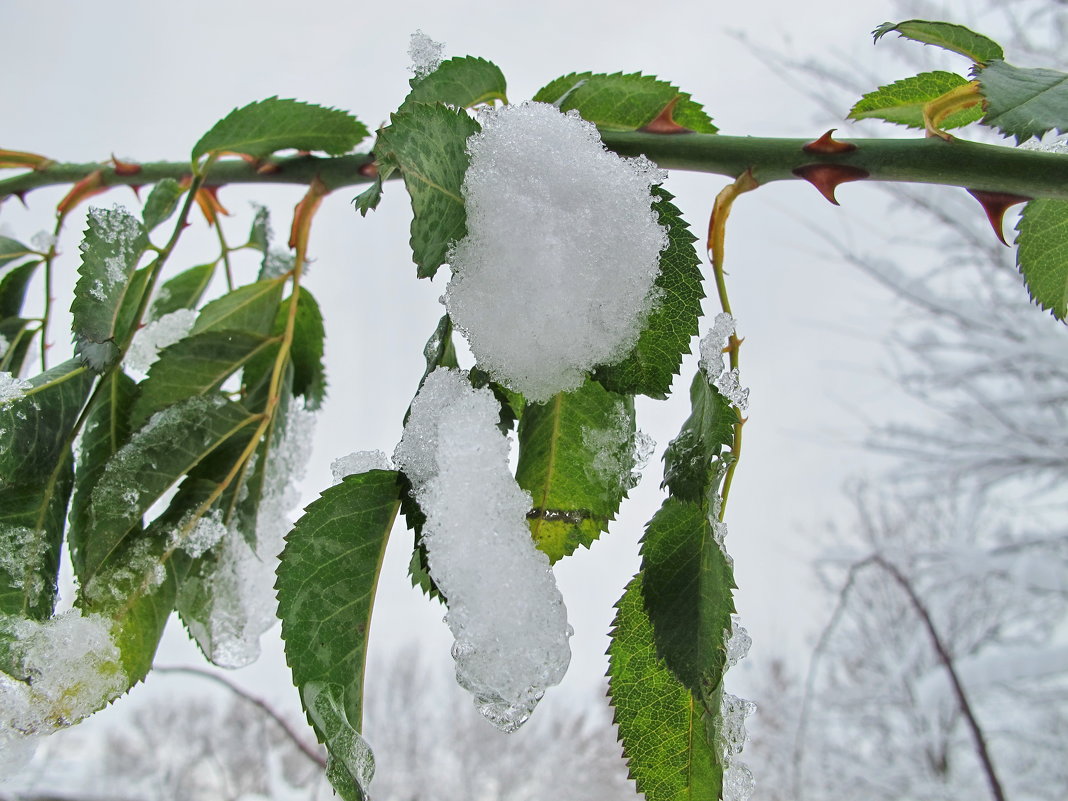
[{"x": 144, "y": 80}]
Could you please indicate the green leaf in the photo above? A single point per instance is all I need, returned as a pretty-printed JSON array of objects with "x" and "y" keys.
[
  {"x": 955, "y": 38},
  {"x": 196, "y": 365},
  {"x": 695, "y": 457},
  {"x": 621, "y": 102},
  {"x": 250, "y": 308},
  {"x": 370, "y": 197},
  {"x": 1024, "y": 102},
  {"x": 155, "y": 458},
  {"x": 19, "y": 334},
  {"x": 263, "y": 127},
  {"x": 461, "y": 82},
  {"x": 428, "y": 143},
  {"x": 576, "y": 453},
  {"x": 37, "y": 426},
  {"x": 13, "y": 288},
  {"x": 687, "y": 583},
  {"x": 12, "y": 250},
  {"x": 184, "y": 291},
  {"x": 326, "y": 586},
  {"x": 305, "y": 354},
  {"x": 113, "y": 245},
  {"x": 650, "y": 367},
  {"x": 259, "y": 236},
  {"x": 31, "y": 536},
  {"x": 667, "y": 735},
  {"x": 1042, "y": 253},
  {"x": 162, "y": 202},
  {"x": 107, "y": 428},
  {"x": 902, "y": 102}
]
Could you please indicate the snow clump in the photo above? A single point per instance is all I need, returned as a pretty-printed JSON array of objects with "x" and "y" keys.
[
  {"x": 12, "y": 388},
  {"x": 425, "y": 54},
  {"x": 156, "y": 336},
  {"x": 724, "y": 380},
  {"x": 556, "y": 273},
  {"x": 507, "y": 615},
  {"x": 359, "y": 462},
  {"x": 71, "y": 667}
]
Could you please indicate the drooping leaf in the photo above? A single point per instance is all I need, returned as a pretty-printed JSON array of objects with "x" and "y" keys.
[
  {"x": 184, "y": 291},
  {"x": 621, "y": 102},
  {"x": 650, "y": 367},
  {"x": 902, "y": 102},
  {"x": 107, "y": 428},
  {"x": 196, "y": 365},
  {"x": 13, "y": 288},
  {"x": 31, "y": 536},
  {"x": 19, "y": 333},
  {"x": 370, "y": 197},
  {"x": 694, "y": 457},
  {"x": 576, "y": 453},
  {"x": 113, "y": 245},
  {"x": 1042, "y": 253},
  {"x": 265, "y": 126},
  {"x": 955, "y": 38},
  {"x": 12, "y": 250},
  {"x": 173, "y": 442},
  {"x": 326, "y": 586},
  {"x": 687, "y": 585},
  {"x": 667, "y": 735},
  {"x": 37, "y": 426},
  {"x": 428, "y": 144},
  {"x": 251, "y": 308},
  {"x": 462, "y": 82},
  {"x": 1024, "y": 102},
  {"x": 259, "y": 235},
  {"x": 162, "y": 203}
]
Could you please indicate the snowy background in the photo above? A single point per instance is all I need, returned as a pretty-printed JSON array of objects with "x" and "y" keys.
[{"x": 145, "y": 80}]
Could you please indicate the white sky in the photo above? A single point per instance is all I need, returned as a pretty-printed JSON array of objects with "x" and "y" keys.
[{"x": 143, "y": 80}]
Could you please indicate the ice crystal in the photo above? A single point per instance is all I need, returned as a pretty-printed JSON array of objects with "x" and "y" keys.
[
  {"x": 12, "y": 388},
  {"x": 425, "y": 54},
  {"x": 359, "y": 462},
  {"x": 724, "y": 380}
]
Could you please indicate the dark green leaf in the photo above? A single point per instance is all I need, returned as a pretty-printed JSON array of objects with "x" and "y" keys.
[
  {"x": 13, "y": 288},
  {"x": 305, "y": 354},
  {"x": 263, "y": 127},
  {"x": 196, "y": 365},
  {"x": 902, "y": 102},
  {"x": 326, "y": 586},
  {"x": 621, "y": 102},
  {"x": 31, "y": 536},
  {"x": 37, "y": 426},
  {"x": 655, "y": 360},
  {"x": 576, "y": 453},
  {"x": 184, "y": 291},
  {"x": 259, "y": 236},
  {"x": 251, "y": 308},
  {"x": 429, "y": 145},
  {"x": 12, "y": 250},
  {"x": 687, "y": 583},
  {"x": 162, "y": 202},
  {"x": 155, "y": 458},
  {"x": 370, "y": 197},
  {"x": 19, "y": 334},
  {"x": 946, "y": 35},
  {"x": 113, "y": 245},
  {"x": 461, "y": 82},
  {"x": 1042, "y": 253},
  {"x": 694, "y": 458},
  {"x": 1024, "y": 102},
  {"x": 667, "y": 735}
]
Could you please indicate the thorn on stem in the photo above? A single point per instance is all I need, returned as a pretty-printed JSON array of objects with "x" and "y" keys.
[
  {"x": 828, "y": 177},
  {"x": 663, "y": 123},
  {"x": 828, "y": 145},
  {"x": 995, "y": 204}
]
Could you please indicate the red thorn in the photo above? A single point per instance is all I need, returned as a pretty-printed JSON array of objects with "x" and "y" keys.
[
  {"x": 125, "y": 167},
  {"x": 826, "y": 144},
  {"x": 22, "y": 198},
  {"x": 827, "y": 177},
  {"x": 663, "y": 123},
  {"x": 268, "y": 168},
  {"x": 136, "y": 190},
  {"x": 369, "y": 170},
  {"x": 995, "y": 204}
]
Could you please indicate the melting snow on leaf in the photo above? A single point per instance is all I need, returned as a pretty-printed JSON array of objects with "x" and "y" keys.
[
  {"x": 724, "y": 380},
  {"x": 425, "y": 54},
  {"x": 156, "y": 336},
  {"x": 359, "y": 462},
  {"x": 556, "y": 273},
  {"x": 505, "y": 611},
  {"x": 12, "y": 388}
]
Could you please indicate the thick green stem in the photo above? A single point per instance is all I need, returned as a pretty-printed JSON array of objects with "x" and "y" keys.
[{"x": 961, "y": 163}]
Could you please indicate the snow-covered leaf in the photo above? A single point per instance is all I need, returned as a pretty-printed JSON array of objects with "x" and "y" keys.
[
  {"x": 265, "y": 126},
  {"x": 667, "y": 736},
  {"x": 326, "y": 587},
  {"x": 162, "y": 202},
  {"x": 183, "y": 291},
  {"x": 462, "y": 82},
  {"x": 955, "y": 38},
  {"x": 692, "y": 459},
  {"x": 1024, "y": 102},
  {"x": 687, "y": 585},
  {"x": 428, "y": 143},
  {"x": 113, "y": 245},
  {"x": 902, "y": 102},
  {"x": 621, "y": 102},
  {"x": 576, "y": 453},
  {"x": 655, "y": 360},
  {"x": 251, "y": 308},
  {"x": 1042, "y": 253}
]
